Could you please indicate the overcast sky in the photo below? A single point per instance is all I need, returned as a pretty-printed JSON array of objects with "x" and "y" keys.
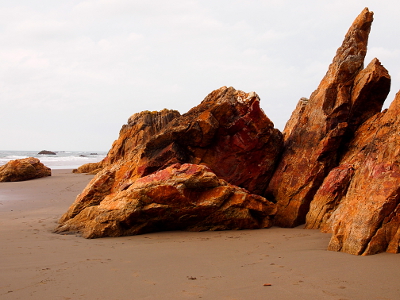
[{"x": 73, "y": 72}]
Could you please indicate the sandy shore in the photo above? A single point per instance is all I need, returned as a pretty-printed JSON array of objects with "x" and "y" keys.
[{"x": 38, "y": 264}]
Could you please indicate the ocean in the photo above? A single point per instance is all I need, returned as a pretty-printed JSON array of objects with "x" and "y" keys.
[{"x": 62, "y": 159}]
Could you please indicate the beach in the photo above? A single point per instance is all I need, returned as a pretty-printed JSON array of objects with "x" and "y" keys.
[{"x": 273, "y": 263}]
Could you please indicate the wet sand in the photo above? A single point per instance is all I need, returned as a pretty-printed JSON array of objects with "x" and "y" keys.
[{"x": 273, "y": 263}]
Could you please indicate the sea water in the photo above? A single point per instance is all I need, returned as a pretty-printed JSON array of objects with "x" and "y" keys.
[{"x": 62, "y": 159}]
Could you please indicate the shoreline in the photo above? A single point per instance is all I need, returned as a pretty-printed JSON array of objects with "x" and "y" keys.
[
  {"x": 62, "y": 160},
  {"x": 39, "y": 264}
]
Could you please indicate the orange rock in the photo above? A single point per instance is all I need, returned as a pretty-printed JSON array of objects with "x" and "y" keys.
[
  {"x": 328, "y": 197},
  {"x": 23, "y": 169},
  {"x": 365, "y": 217},
  {"x": 91, "y": 168},
  {"x": 339, "y": 168},
  {"x": 369, "y": 92},
  {"x": 243, "y": 146},
  {"x": 228, "y": 132},
  {"x": 133, "y": 136},
  {"x": 322, "y": 125},
  {"x": 179, "y": 197},
  {"x": 371, "y": 87}
]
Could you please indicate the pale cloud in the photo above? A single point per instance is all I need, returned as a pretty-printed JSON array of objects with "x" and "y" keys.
[
  {"x": 383, "y": 53},
  {"x": 81, "y": 68}
]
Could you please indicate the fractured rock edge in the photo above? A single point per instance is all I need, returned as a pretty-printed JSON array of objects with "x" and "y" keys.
[
  {"x": 179, "y": 197},
  {"x": 316, "y": 131},
  {"x": 331, "y": 148},
  {"x": 227, "y": 133}
]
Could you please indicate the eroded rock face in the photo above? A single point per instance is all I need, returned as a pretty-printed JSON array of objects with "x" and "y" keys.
[
  {"x": 338, "y": 164},
  {"x": 320, "y": 127},
  {"x": 90, "y": 168},
  {"x": 370, "y": 89},
  {"x": 228, "y": 132},
  {"x": 364, "y": 217},
  {"x": 179, "y": 197},
  {"x": 23, "y": 169},
  {"x": 132, "y": 139}
]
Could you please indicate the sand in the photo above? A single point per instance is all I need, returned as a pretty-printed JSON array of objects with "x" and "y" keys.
[{"x": 273, "y": 263}]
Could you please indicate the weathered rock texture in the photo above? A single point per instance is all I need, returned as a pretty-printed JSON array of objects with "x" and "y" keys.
[
  {"x": 319, "y": 127},
  {"x": 90, "y": 168},
  {"x": 228, "y": 132},
  {"x": 359, "y": 200},
  {"x": 179, "y": 197},
  {"x": 336, "y": 166},
  {"x": 23, "y": 169}
]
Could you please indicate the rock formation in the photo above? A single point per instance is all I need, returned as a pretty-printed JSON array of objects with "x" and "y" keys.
[
  {"x": 23, "y": 169},
  {"x": 363, "y": 212},
  {"x": 46, "y": 152},
  {"x": 90, "y": 168},
  {"x": 320, "y": 126},
  {"x": 228, "y": 132},
  {"x": 335, "y": 167},
  {"x": 179, "y": 197}
]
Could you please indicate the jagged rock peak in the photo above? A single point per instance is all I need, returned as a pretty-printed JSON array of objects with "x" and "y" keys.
[
  {"x": 371, "y": 87},
  {"x": 161, "y": 117},
  {"x": 228, "y": 132},
  {"x": 316, "y": 131},
  {"x": 350, "y": 56},
  {"x": 226, "y": 95},
  {"x": 359, "y": 201}
]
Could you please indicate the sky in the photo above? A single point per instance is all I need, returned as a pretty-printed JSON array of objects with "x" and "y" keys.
[{"x": 73, "y": 71}]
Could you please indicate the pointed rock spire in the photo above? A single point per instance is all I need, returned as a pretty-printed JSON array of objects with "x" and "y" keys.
[{"x": 313, "y": 138}]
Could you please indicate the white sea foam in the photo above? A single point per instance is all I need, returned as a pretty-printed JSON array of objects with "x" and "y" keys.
[{"x": 62, "y": 159}]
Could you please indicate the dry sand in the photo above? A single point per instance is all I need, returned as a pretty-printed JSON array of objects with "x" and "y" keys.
[{"x": 38, "y": 264}]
